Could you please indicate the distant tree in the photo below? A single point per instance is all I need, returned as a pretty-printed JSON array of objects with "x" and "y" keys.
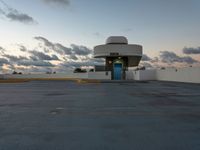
[
  {"x": 54, "y": 72},
  {"x": 163, "y": 68},
  {"x": 48, "y": 72},
  {"x": 79, "y": 70},
  {"x": 143, "y": 68},
  {"x": 140, "y": 68},
  {"x": 137, "y": 69},
  {"x": 91, "y": 70},
  {"x": 84, "y": 70},
  {"x": 14, "y": 72}
]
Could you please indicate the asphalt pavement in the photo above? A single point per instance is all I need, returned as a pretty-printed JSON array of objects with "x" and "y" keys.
[{"x": 65, "y": 115}]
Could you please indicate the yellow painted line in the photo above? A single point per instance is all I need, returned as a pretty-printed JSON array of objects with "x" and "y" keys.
[
  {"x": 79, "y": 81},
  {"x": 16, "y": 80},
  {"x": 86, "y": 81},
  {"x": 13, "y": 81}
]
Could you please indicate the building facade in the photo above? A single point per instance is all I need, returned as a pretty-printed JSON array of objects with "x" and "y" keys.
[{"x": 119, "y": 55}]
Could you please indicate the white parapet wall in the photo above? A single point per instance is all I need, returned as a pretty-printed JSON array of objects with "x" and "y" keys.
[
  {"x": 100, "y": 75},
  {"x": 47, "y": 76},
  {"x": 189, "y": 74},
  {"x": 142, "y": 75},
  {"x": 1, "y": 76},
  {"x": 71, "y": 75},
  {"x": 147, "y": 74},
  {"x": 130, "y": 75}
]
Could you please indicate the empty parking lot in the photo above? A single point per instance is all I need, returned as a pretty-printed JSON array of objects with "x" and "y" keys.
[{"x": 104, "y": 116}]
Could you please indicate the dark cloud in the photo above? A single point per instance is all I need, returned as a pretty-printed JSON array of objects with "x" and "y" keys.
[
  {"x": 3, "y": 61},
  {"x": 2, "y": 50},
  {"x": 38, "y": 63},
  {"x": 80, "y": 50},
  {"x": 59, "y": 48},
  {"x": 60, "y": 2},
  {"x": 54, "y": 57},
  {"x": 97, "y": 61},
  {"x": 14, "y": 58},
  {"x": 73, "y": 64},
  {"x": 15, "y": 15},
  {"x": 145, "y": 64},
  {"x": 34, "y": 58},
  {"x": 22, "y": 48},
  {"x": 73, "y": 50},
  {"x": 146, "y": 58},
  {"x": 46, "y": 42},
  {"x": 20, "y": 17},
  {"x": 171, "y": 57},
  {"x": 32, "y": 61},
  {"x": 155, "y": 60},
  {"x": 191, "y": 50},
  {"x": 73, "y": 57},
  {"x": 41, "y": 56},
  {"x": 88, "y": 63},
  {"x": 39, "y": 69}
]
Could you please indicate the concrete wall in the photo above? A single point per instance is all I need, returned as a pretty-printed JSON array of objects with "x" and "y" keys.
[
  {"x": 147, "y": 75},
  {"x": 89, "y": 75},
  {"x": 58, "y": 75},
  {"x": 189, "y": 74},
  {"x": 141, "y": 75},
  {"x": 99, "y": 75},
  {"x": 1, "y": 76},
  {"x": 136, "y": 75},
  {"x": 129, "y": 75}
]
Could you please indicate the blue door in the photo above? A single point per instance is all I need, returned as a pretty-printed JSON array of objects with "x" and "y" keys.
[{"x": 117, "y": 71}]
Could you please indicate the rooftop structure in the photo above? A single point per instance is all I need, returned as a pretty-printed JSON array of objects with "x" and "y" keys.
[
  {"x": 117, "y": 40},
  {"x": 119, "y": 55}
]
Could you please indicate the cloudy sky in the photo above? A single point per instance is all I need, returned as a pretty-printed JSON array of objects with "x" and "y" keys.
[{"x": 45, "y": 35}]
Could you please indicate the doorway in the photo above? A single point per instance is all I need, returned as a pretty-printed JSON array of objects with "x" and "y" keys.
[{"x": 117, "y": 71}]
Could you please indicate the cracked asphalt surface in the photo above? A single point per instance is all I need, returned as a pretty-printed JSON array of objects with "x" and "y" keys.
[{"x": 64, "y": 115}]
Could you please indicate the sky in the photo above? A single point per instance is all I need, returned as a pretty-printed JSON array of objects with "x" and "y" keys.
[{"x": 48, "y": 35}]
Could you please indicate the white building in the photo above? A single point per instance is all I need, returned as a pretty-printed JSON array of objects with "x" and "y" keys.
[{"x": 119, "y": 55}]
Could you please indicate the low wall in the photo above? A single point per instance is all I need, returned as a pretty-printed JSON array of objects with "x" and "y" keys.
[
  {"x": 1, "y": 76},
  {"x": 99, "y": 75},
  {"x": 41, "y": 76},
  {"x": 147, "y": 75},
  {"x": 141, "y": 75},
  {"x": 130, "y": 75},
  {"x": 136, "y": 75},
  {"x": 89, "y": 75},
  {"x": 190, "y": 74}
]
